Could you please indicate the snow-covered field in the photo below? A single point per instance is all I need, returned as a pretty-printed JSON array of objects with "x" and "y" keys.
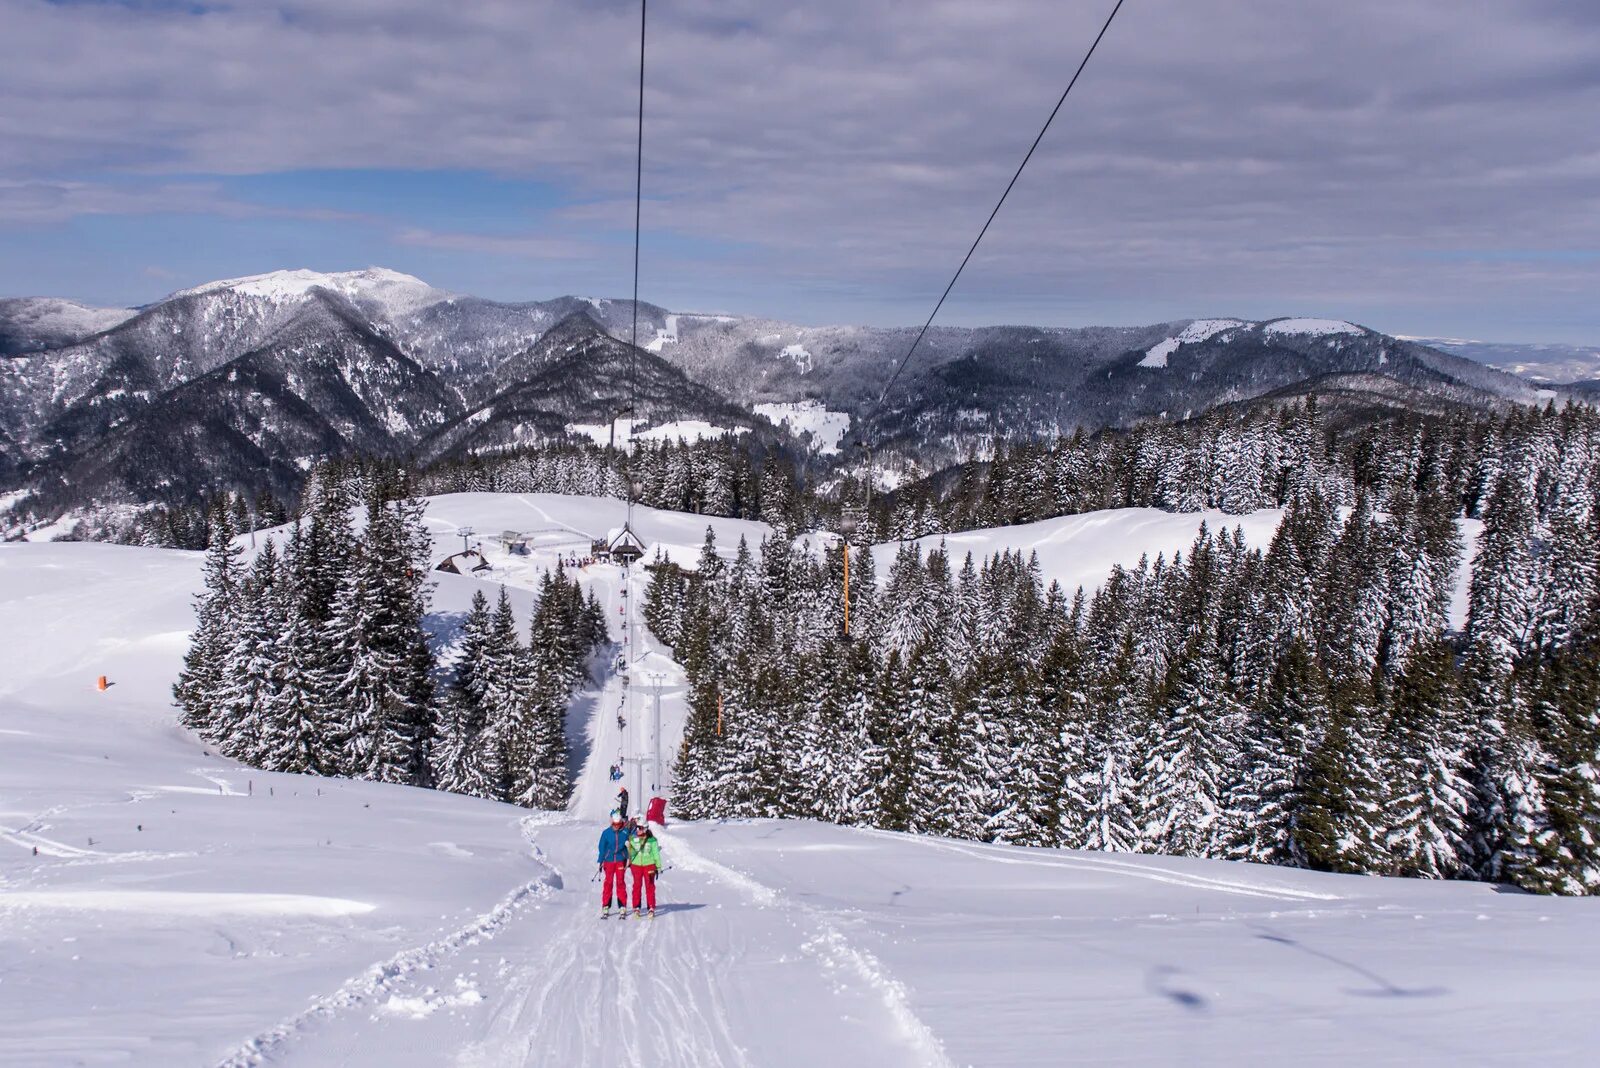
[
  {"x": 160, "y": 906},
  {"x": 1313, "y": 327},
  {"x": 827, "y": 428},
  {"x": 1199, "y": 330}
]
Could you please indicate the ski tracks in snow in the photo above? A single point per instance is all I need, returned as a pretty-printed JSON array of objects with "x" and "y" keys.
[
  {"x": 1147, "y": 872},
  {"x": 739, "y": 976},
  {"x": 632, "y": 992},
  {"x": 367, "y": 987},
  {"x": 834, "y": 952}
]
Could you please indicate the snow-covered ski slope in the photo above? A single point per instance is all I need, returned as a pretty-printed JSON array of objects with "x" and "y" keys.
[{"x": 181, "y": 910}]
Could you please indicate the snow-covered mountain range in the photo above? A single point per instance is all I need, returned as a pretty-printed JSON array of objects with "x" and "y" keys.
[{"x": 242, "y": 383}]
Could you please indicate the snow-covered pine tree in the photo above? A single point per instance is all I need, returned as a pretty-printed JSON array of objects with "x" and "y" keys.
[
  {"x": 693, "y": 775},
  {"x": 1107, "y": 777},
  {"x": 1340, "y": 813},
  {"x": 1355, "y": 595},
  {"x": 858, "y": 751},
  {"x": 1565, "y": 716},
  {"x": 1268, "y": 798},
  {"x": 302, "y": 728},
  {"x": 664, "y": 596},
  {"x": 1059, "y": 687},
  {"x": 1426, "y": 773},
  {"x": 467, "y": 756},
  {"x": 506, "y": 671},
  {"x": 249, "y": 686},
  {"x": 906, "y": 624},
  {"x": 1187, "y": 765},
  {"x": 382, "y": 685},
  {"x": 1504, "y": 598},
  {"x": 890, "y": 731},
  {"x": 1425, "y": 551},
  {"x": 216, "y": 615}
]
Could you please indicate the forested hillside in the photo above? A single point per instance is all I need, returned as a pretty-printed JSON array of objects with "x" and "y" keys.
[{"x": 1301, "y": 702}]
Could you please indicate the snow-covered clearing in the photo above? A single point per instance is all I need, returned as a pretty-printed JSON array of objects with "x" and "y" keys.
[
  {"x": 1311, "y": 327},
  {"x": 1199, "y": 330},
  {"x": 183, "y": 910},
  {"x": 800, "y": 355},
  {"x": 665, "y": 335},
  {"x": 827, "y": 428}
]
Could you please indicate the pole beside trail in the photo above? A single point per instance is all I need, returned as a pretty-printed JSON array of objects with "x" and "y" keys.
[{"x": 847, "y": 587}]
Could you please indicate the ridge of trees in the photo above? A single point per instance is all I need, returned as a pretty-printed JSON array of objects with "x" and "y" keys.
[
  {"x": 313, "y": 659},
  {"x": 1304, "y": 703}
]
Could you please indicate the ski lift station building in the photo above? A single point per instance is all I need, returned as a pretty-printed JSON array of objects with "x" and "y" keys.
[
  {"x": 621, "y": 546},
  {"x": 514, "y": 542}
]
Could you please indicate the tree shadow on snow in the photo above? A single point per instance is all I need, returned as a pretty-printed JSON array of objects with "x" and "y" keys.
[
  {"x": 1159, "y": 981},
  {"x": 1382, "y": 988}
]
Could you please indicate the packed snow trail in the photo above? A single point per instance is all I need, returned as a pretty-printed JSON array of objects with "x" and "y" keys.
[
  {"x": 727, "y": 974},
  {"x": 692, "y": 987}
]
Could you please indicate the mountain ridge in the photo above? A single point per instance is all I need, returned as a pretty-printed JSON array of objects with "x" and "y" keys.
[{"x": 111, "y": 404}]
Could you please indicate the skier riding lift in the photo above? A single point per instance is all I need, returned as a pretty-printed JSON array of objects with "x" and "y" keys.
[{"x": 622, "y": 802}]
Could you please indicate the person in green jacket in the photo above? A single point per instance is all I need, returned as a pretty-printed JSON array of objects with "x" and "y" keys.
[{"x": 644, "y": 860}]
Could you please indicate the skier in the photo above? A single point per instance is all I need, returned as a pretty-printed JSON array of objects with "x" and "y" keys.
[
  {"x": 622, "y": 802},
  {"x": 613, "y": 861},
  {"x": 644, "y": 860}
]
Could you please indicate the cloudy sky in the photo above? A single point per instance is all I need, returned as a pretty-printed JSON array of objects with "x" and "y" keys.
[{"x": 1421, "y": 166}]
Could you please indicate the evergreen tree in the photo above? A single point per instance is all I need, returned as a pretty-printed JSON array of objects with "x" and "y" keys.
[
  {"x": 1186, "y": 765},
  {"x": 1107, "y": 776},
  {"x": 1267, "y": 802},
  {"x": 216, "y": 610},
  {"x": 467, "y": 758},
  {"x": 1426, "y": 774}
]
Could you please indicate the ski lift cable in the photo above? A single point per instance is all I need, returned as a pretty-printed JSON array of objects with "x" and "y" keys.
[
  {"x": 638, "y": 204},
  {"x": 1043, "y": 130}
]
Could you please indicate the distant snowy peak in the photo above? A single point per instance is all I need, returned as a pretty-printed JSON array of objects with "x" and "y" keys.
[
  {"x": 1198, "y": 330},
  {"x": 397, "y": 292},
  {"x": 55, "y": 317}
]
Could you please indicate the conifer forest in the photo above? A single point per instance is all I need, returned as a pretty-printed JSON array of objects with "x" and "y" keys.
[
  {"x": 1300, "y": 703},
  {"x": 1304, "y": 702},
  {"x": 315, "y": 661}
]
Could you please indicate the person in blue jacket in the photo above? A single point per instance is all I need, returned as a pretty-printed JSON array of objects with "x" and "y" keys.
[{"x": 613, "y": 861}]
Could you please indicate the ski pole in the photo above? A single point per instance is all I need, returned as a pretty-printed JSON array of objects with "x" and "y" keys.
[{"x": 596, "y": 876}]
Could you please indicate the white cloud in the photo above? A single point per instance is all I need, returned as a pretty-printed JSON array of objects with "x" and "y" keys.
[{"x": 1211, "y": 155}]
